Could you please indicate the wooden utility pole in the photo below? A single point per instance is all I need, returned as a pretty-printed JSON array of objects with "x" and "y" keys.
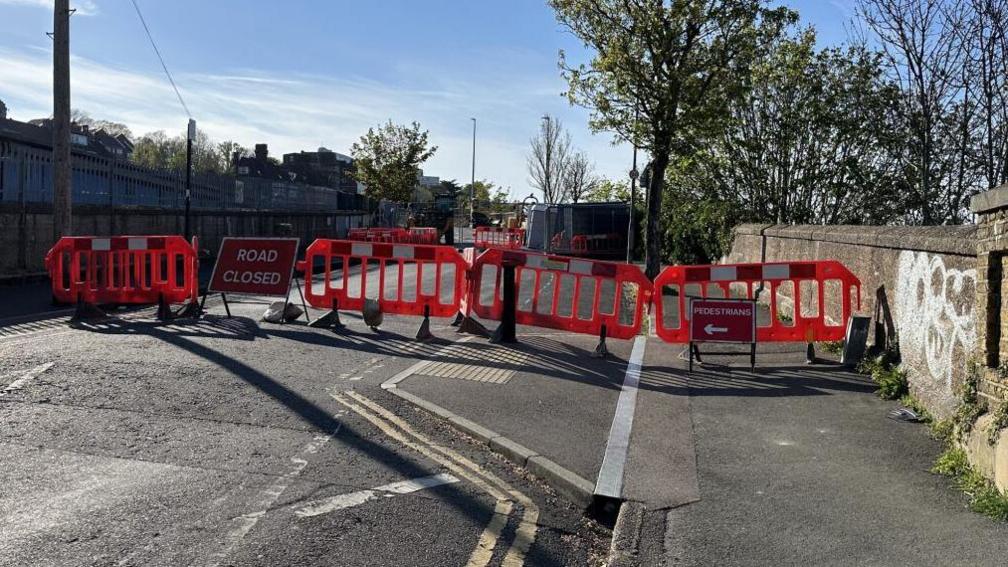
[{"x": 62, "y": 224}]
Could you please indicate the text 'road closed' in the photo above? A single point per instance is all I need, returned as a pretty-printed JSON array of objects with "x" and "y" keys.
[{"x": 261, "y": 266}]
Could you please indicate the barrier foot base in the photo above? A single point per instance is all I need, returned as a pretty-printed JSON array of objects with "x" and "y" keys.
[
  {"x": 164, "y": 312},
  {"x": 504, "y": 335},
  {"x": 191, "y": 310},
  {"x": 86, "y": 311},
  {"x": 810, "y": 355},
  {"x": 473, "y": 327},
  {"x": 423, "y": 333},
  {"x": 330, "y": 320},
  {"x": 459, "y": 317},
  {"x": 601, "y": 351}
]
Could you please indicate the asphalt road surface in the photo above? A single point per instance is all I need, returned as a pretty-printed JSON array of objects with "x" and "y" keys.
[{"x": 232, "y": 442}]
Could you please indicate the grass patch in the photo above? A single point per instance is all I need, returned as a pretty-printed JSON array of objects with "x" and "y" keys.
[
  {"x": 999, "y": 421},
  {"x": 832, "y": 347},
  {"x": 971, "y": 406},
  {"x": 942, "y": 430},
  {"x": 891, "y": 381},
  {"x": 984, "y": 497},
  {"x": 913, "y": 403}
]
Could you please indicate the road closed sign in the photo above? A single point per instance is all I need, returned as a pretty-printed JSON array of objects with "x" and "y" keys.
[
  {"x": 722, "y": 320},
  {"x": 261, "y": 266}
]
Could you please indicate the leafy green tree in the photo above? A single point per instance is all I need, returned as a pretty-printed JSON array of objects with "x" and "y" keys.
[
  {"x": 663, "y": 73},
  {"x": 486, "y": 195},
  {"x": 387, "y": 160},
  {"x": 607, "y": 190},
  {"x": 812, "y": 140},
  {"x": 157, "y": 150}
]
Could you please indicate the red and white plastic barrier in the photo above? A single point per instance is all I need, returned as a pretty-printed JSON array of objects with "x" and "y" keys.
[
  {"x": 797, "y": 301},
  {"x": 499, "y": 237},
  {"x": 423, "y": 235},
  {"x": 558, "y": 292},
  {"x": 405, "y": 279},
  {"x": 416, "y": 235},
  {"x": 601, "y": 244},
  {"x": 123, "y": 269}
]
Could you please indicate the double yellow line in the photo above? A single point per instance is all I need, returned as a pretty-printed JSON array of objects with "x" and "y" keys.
[{"x": 506, "y": 496}]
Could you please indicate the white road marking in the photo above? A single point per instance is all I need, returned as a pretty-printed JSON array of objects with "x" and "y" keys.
[
  {"x": 267, "y": 497},
  {"x": 34, "y": 372},
  {"x": 490, "y": 483},
  {"x": 343, "y": 501},
  {"x": 610, "y": 477}
]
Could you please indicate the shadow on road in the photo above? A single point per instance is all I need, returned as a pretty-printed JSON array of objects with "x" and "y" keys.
[
  {"x": 722, "y": 380},
  {"x": 180, "y": 336},
  {"x": 208, "y": 326}
]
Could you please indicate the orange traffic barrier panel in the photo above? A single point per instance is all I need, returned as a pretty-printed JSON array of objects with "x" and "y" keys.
[
  {"x": 418, "y": 235},
  {"x": 589, "y": 244},
  {"x": 559, "y": 292},
  {"x": 123, "y": 269},
  {"x": 404, "y": 279},
  {"x": 423, "y": 235},
  {"x": 796, "y": 301},
  {"x": 499, "y": 237}
]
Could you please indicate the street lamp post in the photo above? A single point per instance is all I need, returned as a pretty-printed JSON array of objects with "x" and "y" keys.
[
  {"x": 547, "y": 189},
  {"x": 633, "y": 197},
  {"x": 472, "y": 184},
  {"x": 190, "y": 135}
]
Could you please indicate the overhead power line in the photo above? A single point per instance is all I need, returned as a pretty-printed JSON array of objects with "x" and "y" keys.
[{"x": 161, "y": 59}]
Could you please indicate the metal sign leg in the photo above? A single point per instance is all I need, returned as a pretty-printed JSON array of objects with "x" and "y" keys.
[{"x": 303, "y": 303}]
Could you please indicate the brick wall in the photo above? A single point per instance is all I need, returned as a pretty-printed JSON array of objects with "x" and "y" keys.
[
  {"x": 992, "y": 284},
  {"x": 919, "y": 285}
]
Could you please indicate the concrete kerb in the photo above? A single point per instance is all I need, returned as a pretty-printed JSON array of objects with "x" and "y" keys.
[{"x": 626, "y": 535}]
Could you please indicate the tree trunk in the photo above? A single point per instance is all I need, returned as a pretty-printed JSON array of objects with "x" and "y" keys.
[{"x": 652, "y": 237}]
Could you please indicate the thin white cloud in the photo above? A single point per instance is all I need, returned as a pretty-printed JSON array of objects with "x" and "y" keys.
[
  {"x": 303, "y": 112},
  {"x": 83, "y": 7}
]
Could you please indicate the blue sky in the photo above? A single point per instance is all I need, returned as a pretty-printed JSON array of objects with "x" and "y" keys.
[{"x": 303, "y": 73}]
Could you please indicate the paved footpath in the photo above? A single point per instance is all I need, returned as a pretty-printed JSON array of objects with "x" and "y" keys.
[{"x": 790, "y": 465}]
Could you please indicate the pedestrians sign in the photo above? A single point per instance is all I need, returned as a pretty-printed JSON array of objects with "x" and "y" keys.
[
  {"x": 263, "y": 266},
  {"x": 722, "y": 320}
]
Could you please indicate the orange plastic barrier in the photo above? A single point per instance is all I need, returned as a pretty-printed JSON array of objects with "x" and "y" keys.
[
  {"x": 558, "y": 292},
  {"x": 404, "y": 278},
  {"x": 586, "y": 244},
  {"x": 123, "y": 269},
  {"x": 378, "y": 234},
  {"x": 423, "y": 235},
  {"x": 499, "y": 237},
  {"x": 796, "y": 301},
  {"x": 419, "y": 235}
]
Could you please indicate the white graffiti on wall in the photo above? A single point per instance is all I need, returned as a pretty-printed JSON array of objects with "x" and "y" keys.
[{"x": 934, "y": 313}]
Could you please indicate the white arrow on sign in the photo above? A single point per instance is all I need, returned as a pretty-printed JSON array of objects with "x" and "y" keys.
[{"x": 710, "y": 329}]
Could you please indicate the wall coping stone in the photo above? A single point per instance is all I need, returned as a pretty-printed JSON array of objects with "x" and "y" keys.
[
  {"x": 955, "y": 240},
  {"x": 991, "y": 200}
]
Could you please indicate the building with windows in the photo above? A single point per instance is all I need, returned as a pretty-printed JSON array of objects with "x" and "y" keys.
[
  {"x": 323, "y": 167},
  {"x": 83, "y": 140}
]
